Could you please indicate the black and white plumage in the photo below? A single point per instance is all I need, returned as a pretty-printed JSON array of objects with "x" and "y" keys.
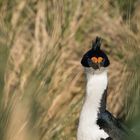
[{"x": 95, "y": 122}]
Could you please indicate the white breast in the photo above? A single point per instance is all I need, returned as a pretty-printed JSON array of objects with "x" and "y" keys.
[{"x": 88, "y": 129}]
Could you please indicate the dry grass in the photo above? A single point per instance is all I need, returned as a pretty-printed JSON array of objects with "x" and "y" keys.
[{"x": 42, "y": 80}]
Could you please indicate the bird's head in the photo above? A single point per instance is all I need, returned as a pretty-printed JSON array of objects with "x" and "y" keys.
[{"x": 95, "y": 59}]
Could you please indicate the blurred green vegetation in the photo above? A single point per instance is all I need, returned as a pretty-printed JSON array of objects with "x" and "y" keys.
[
  {"x": 127, "y": 7},
  {"x": 41, "y": 81},
  {"x": 4, "y": 51}
]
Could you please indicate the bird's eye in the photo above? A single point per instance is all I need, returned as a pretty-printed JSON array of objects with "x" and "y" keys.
[
  {"x": 94, "y": 59},
  {"x": 100, "y": 59}
]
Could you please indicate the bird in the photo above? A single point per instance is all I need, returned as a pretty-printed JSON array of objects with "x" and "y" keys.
[{"x": 95, "y": 122}]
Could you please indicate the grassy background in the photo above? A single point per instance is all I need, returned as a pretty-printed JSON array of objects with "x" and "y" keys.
[{"x": 41, "y": 80}]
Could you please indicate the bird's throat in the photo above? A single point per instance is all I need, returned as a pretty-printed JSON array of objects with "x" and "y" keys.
[{"x": 95, "y": 89}]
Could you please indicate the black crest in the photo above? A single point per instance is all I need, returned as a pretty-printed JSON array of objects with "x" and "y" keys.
[{"x": 97, "y": 43}]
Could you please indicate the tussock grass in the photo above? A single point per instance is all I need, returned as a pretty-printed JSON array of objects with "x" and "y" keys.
[{"x": 42, "y": 81}]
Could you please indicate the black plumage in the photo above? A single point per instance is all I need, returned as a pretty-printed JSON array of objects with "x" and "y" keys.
[{"x": 111, "y": 125}]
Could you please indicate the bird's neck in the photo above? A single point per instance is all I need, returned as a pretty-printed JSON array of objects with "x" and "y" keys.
[{"x": 95, "y": 98}]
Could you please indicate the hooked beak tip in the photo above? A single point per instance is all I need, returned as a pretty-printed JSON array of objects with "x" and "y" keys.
[{"x": 99, "y": 66}]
